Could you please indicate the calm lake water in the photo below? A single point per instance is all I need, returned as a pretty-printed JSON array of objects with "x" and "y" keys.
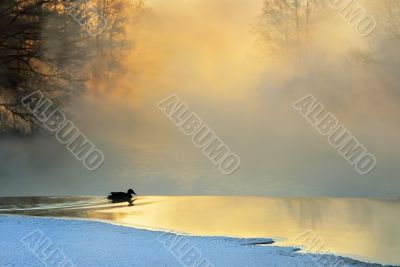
[{"x": 364, "y": 229}]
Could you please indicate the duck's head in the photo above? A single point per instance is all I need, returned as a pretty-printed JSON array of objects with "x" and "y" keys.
[{"x": 131, "y": 192}]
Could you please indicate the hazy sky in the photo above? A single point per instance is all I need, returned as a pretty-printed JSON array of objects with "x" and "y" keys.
[{"x": 205, "y": 52}]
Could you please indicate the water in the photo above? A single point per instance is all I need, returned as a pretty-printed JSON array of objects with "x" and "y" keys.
[{"x": 364, "y": 229}]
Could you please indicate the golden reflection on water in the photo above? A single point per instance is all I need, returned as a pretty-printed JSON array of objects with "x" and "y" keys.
[
  {"x": 361, "y": 228},
  {"x": 367, "y": 229}
]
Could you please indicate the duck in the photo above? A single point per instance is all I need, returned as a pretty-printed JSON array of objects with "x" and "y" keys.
[{"x": 121, "y": 196}]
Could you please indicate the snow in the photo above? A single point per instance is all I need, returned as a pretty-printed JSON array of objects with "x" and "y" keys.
[{"x": 32, "y": 241}]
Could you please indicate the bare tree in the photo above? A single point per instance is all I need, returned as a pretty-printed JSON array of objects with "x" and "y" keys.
[
  {"x": 42, "y": 47},
  {"x": 284, "y": 25},
  {"x": 39, "y": 46},
  {"x": 112, "y": 42}
]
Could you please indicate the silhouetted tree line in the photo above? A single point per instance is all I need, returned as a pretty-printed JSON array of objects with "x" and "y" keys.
[
  {"x": 42, "y": 47},
  {"x": 286, "y": 25}
]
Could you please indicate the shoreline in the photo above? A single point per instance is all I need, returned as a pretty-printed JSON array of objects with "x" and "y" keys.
[{"x": 86, "y": 242}]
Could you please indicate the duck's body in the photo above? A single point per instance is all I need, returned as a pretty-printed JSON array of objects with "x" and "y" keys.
[{"x": 121, "y": 196}]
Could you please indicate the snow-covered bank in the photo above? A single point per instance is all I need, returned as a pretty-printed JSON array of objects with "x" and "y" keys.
[{"x": 31, "y": 241}]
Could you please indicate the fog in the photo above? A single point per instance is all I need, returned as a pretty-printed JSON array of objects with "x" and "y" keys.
[{"x": 208, "y": 53}]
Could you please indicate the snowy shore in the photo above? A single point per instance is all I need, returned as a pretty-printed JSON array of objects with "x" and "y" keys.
[{"x": 32, "y": 241}]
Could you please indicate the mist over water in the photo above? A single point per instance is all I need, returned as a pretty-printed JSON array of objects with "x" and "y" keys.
[{"x": 207, "y": 53}]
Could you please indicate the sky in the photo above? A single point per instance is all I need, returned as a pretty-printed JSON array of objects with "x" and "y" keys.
[{"x": 206, "y": 52}]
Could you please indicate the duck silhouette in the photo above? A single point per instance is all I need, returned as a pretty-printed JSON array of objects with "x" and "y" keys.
[{"x": 116, "y": 197}]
